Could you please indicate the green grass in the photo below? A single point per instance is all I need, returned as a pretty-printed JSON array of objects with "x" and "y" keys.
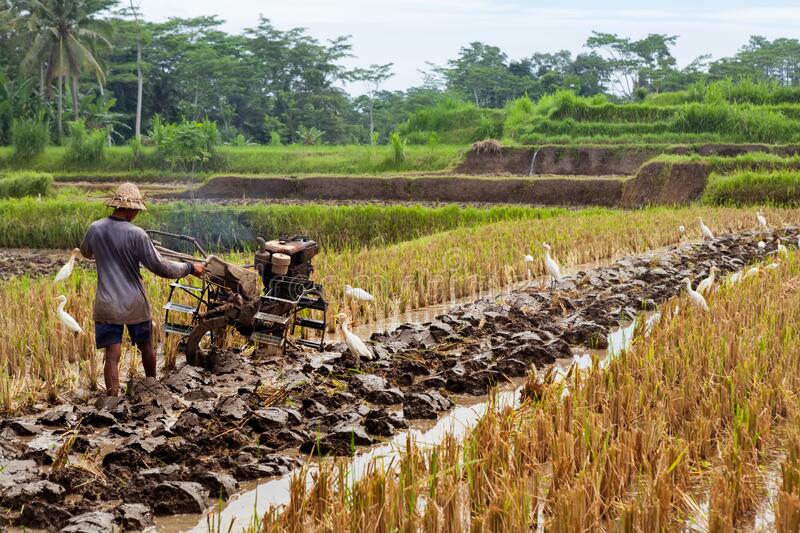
[
  {"x": 756, "y": 161},
  {"x": 61, "y": 222},
  {"x": 282, "y": 160},
  {"x": 753, "y": 188},
  {"x": 21, "y": 184}
]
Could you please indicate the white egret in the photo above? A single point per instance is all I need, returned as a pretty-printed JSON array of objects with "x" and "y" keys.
[
  {"x": 65, "y": 317},
  {"x": 734, "y": 278},
  {"x": 750, "y": 273},
  {"x": 551, "y": 267},
  {"x": 681, "y": 229},
  {"x": 761, "y": 220},
  {"x": 356, "y": 346},
  {"x": 357, "y": 294},
  {"x": 696, "y": 298},
  {"x": 705, "y": 286},
  {"x": 66, "y": 270},
  {"x": 781, "y": 248},
  {"x": 528, "y": 260},
  {"x": 773, "y": 266},
  {"x": 761, "y": 245},
  {"x": 705, "y": 230}
]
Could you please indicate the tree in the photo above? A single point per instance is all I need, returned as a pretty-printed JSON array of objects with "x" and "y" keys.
[
  {"x": 373, "y": 77},
  {"x": 65, "y": 34},
  {"x": 134, "y": 9},
  {"x": 762, "y": 59},
  {"x": 636, "y": 65},
  {"x": 481, "y": 73},
  {"x": 293, "y": 76}
]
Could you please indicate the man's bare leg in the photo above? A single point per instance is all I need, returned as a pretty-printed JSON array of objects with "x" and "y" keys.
[
  {"x": 111, "y": 369},
  {"x": 148, "y": 357}
]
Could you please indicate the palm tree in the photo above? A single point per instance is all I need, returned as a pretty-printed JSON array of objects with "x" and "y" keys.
[{"x": 65, "y": 36}]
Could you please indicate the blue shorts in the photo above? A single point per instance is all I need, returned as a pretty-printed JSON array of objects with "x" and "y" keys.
[{"x": 108, "y": 334}]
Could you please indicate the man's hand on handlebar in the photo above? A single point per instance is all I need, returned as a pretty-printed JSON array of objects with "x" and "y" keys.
[{"x": 198, "y": 269}]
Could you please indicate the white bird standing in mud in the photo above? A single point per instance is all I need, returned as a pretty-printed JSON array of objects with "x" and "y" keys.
[
  {"x": 705, "y": 230},
  {"x": 761, "y": 220},
  {"x": 782, "y": 250},
  {"x": 681, "y": 229},
  {"x": 705, "y": 286},
  {"x": 354, "y": 343},
  {"x": 357, "y": 293},
  {"x": 65, "y": 317},
  {"x": 66, "y": 270},
  {"x": 528, "y": 260},
  {"x": 761, "y": 245},
  {"x": 696, "y": 298},
  {"x": 551, "y": 267}
]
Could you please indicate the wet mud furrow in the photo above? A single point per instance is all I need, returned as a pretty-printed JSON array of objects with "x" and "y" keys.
[{"x": 176, "y": 445}]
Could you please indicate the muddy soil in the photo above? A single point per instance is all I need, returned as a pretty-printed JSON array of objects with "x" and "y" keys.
[
  {"x": 33, "y": 262},
  {"x": 665, "y": 184},
  {"x": 550, "y": 190},
  {"x": 594, "y": 160},
  {"x": 178, "y": 444}
]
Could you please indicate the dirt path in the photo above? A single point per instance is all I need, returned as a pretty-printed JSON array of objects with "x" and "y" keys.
[
  {"x": 33, "y": 262},
  {"x": 176, "y": 445}
]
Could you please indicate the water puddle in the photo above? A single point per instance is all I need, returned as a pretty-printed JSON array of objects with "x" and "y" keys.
[{"x": 256, "y": 498}]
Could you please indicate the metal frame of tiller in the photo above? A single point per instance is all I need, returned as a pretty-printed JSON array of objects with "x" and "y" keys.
[
  {"x": 292, "y": 295},
  {"x": 279, "y": 312}
]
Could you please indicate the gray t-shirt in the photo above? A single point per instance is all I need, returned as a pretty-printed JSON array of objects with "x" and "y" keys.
[{"x": 118, "y": 248}]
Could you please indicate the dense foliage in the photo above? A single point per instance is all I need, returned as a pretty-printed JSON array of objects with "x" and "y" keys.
[{"x": 284, "y": 86}]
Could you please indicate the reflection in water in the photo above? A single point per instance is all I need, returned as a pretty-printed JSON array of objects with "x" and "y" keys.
[{"x": 242, "y": 507}]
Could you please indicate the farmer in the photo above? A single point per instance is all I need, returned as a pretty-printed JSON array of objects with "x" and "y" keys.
[{"x": 119, "y": 248}]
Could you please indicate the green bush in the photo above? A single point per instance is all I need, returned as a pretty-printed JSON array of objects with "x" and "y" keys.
[
  {"x": 29, "y": 137},
  {"x": 137, "y": 152},
  {"x": 188, "y": 145},
  {"x": 453, "y": 122},
  {"x": 84, "y": 146},
  {"x": 743, "y": 124},
  {"x": 309, "y": 136},
  {"x": 753, "y": 188},
  {"x": 398, "y": 149},
  {"x": 21, "y": 184}
]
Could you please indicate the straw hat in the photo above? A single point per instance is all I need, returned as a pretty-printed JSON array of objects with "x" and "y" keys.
[{"x": 127, "y": 196}]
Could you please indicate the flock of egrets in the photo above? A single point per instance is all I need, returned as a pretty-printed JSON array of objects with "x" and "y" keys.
[
  {"x": 360, "y": 349},
  {"x": 696, "y": 296}
]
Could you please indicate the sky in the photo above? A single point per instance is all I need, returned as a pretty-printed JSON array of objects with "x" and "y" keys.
[{"x": 410, "y": 32}]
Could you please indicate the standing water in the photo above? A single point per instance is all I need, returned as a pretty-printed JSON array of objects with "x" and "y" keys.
[{"x": 240, "y": 509}]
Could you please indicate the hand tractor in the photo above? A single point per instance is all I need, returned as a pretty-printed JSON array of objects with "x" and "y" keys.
[{"x": 273, "y": 302}]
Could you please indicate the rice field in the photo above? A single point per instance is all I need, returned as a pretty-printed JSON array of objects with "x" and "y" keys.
[
  {"x": 680, "y": 432},
  {"x": 41, "y": 360}
]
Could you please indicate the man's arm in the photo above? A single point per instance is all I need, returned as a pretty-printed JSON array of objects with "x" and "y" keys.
[
  {"x": 86, "y": 247},
  {"x": 152, "y": 261}
]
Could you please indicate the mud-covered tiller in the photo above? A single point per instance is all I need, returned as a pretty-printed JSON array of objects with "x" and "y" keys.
[{"x": 273, "y": 302}]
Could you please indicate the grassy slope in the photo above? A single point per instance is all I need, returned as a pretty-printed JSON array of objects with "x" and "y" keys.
[{"x": 278, "y": 160}]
